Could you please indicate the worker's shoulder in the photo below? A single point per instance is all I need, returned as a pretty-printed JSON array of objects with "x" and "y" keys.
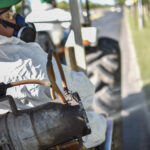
[{"x": 15, "y": 47}]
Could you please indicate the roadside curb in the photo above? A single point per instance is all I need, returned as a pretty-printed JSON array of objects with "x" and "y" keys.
[
  {"x": 134, "y": 63},
  {"x": 132, "y": 48}
]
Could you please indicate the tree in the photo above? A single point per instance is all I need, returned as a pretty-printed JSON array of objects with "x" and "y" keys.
[
  {"x": 92, "y": 5},
  {"x": 140, "y": 16},
  {"x": 120, "y": 2},
  {"x": 63, "y": 5}
]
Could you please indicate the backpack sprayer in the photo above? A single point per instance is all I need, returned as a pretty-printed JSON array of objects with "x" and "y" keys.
[{"x": 47, "y": 125}]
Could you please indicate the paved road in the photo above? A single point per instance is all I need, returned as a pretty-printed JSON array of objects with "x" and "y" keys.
[{"x": 109, "y": 24}]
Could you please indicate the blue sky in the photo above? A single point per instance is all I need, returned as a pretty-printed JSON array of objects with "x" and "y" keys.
[{"x": 109, "y": 2}]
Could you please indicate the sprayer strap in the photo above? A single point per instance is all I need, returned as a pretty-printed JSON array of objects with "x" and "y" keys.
[
  {"x": 9, "y": 24},
  {"x": 3, "y": 11}
]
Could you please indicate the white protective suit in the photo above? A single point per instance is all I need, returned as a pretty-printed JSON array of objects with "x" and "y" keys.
[{"x": 21, "y": 61}]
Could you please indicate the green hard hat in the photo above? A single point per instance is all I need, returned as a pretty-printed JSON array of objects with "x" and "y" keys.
[
  {"x": 8, "y": 3},
  {"x": 46, "y": 1}
]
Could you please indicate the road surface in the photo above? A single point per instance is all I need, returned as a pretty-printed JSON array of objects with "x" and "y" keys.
[{"x": 109, "y": 24}]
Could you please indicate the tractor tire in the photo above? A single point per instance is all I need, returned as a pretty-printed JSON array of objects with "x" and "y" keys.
[
  {"x": 105, "y": 60},
  {"x": 110, "y": 97},
  {"x": 93, "y": 56},
  {"x": 108, "y": 46},
  {"x": 101, "y": 108},
  {"x": 104, "y": 75},
  {"x": 104, "y": 72},
  {"x": 94, "y": 78},
  {"x": 110, "y": 62},
  {"x": 107, "y": 101}
]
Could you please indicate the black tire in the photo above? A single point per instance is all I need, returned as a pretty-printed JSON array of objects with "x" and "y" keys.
[
  {"x": 105, "y": 60},
  {"x": 104, "y": 68},
  {"x": 92, "y": 57},
  {"x": 104, "y": 75},
  {"x": 108, "y": 46},
  {"x": 110, "y": 62},
  {"x": 101, "y": 108},
  {"x": 110, "y": 97},
  {"x": 96, "y": 82},
  {"x": 99, "y": 74},
  {"x": 107, "y": 101}
]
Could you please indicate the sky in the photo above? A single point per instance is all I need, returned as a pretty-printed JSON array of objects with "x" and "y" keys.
[{"x": 109, "y": 2}]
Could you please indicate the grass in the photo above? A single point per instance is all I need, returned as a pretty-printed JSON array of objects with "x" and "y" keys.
[{"x": 141, "y": 39}]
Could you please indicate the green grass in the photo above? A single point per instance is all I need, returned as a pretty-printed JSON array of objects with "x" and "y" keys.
[{"x": 141, "y": 39}]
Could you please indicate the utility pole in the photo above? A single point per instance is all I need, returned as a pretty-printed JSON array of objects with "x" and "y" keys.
[
  {"x": 88, "y": 11},
  {"x": 140, "y": 13},
  {"x": 82, "y": 19}
]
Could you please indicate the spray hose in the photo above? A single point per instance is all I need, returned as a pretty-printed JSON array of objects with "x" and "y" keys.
[{"x": 51, "y": 76}]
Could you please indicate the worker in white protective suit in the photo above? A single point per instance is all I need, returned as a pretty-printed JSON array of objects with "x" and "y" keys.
[
  {"x": 48, "y": 19},
  {"x": 20, "y": 60}
]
